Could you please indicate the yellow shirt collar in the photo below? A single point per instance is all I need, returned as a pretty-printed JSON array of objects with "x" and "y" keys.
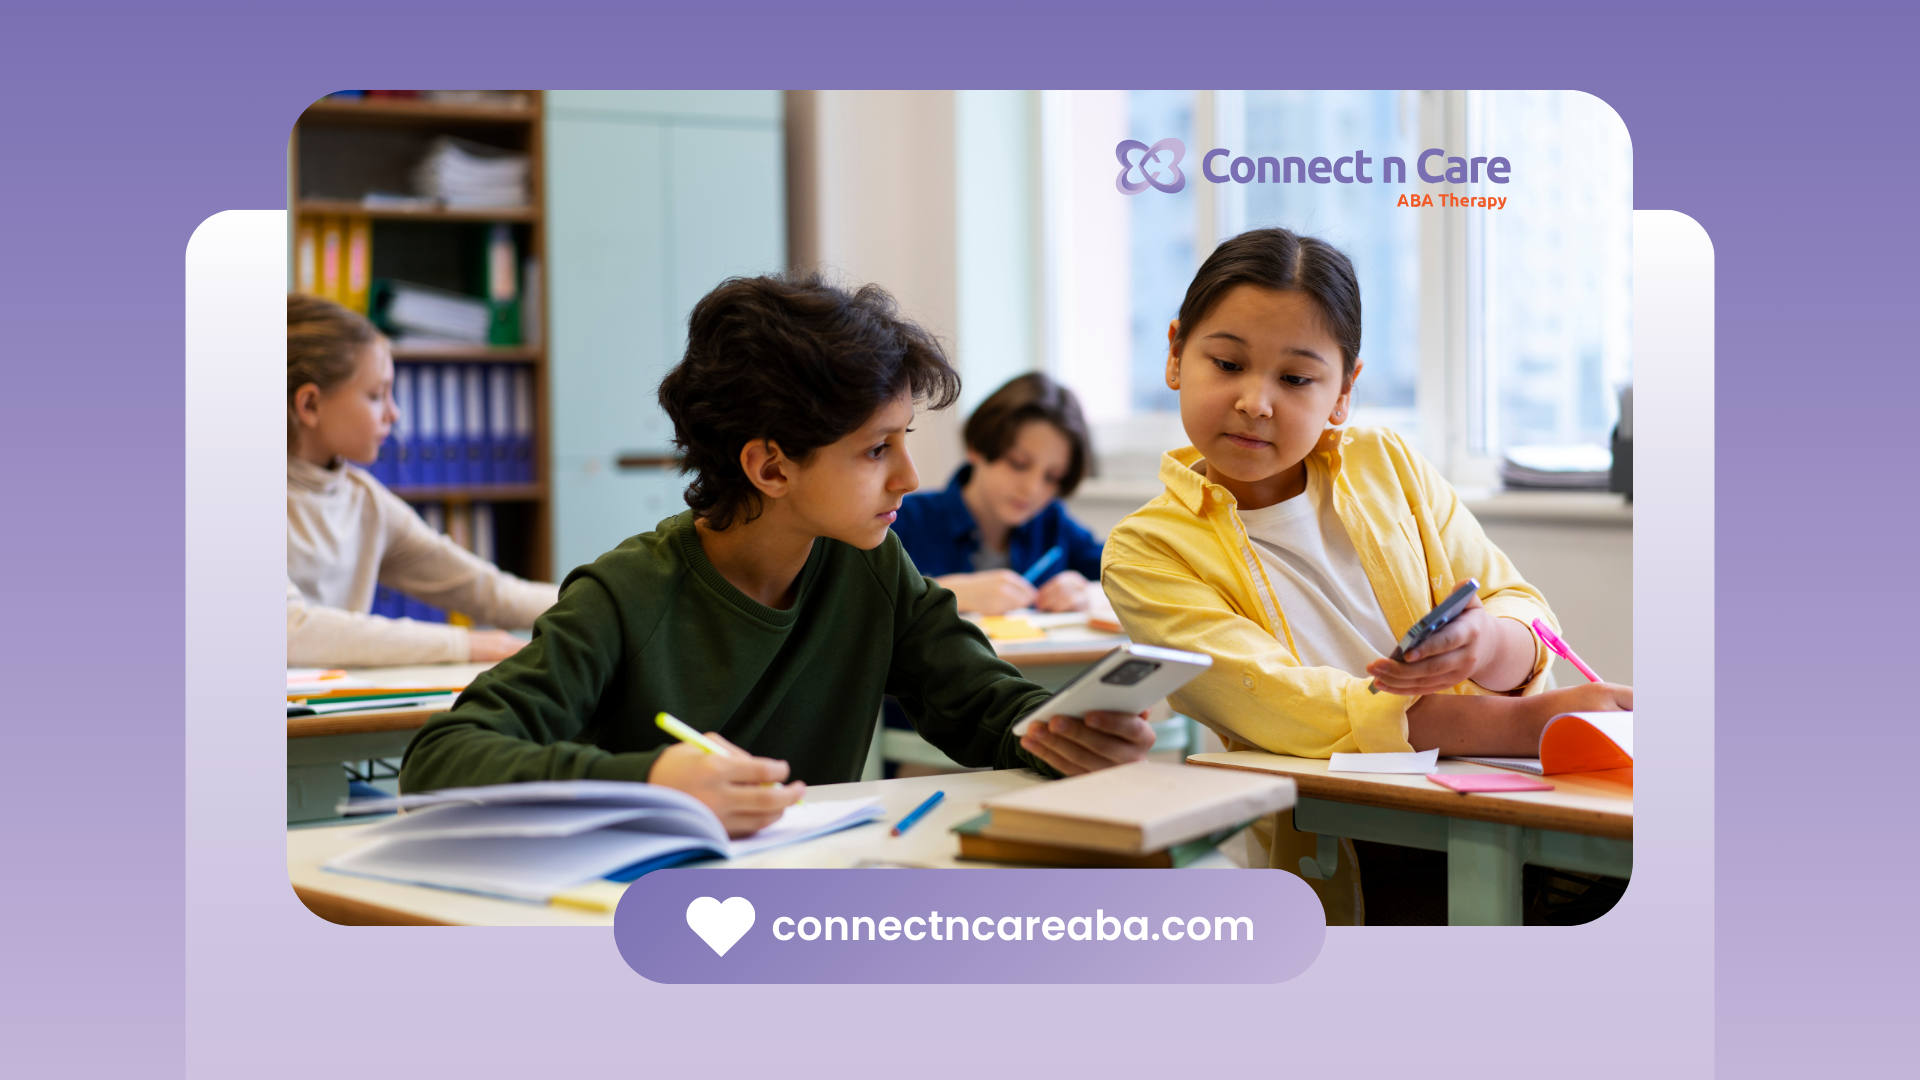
[{"x": 1179, "y": 471}]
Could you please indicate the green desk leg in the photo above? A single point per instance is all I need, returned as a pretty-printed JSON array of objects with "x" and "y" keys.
[
  {"x": 1483, "y": 873},
  {"x": 314, "y": 790},
  {"x": 316, "y": 770},
  {"x": 1483, "y": 859}
]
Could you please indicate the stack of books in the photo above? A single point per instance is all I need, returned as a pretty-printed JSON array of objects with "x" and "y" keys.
[{"x": 1145, "y": 815}]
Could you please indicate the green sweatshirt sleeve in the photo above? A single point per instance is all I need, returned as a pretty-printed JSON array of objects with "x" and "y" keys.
[
  {"x": 960, "y": 696},
  {"x": 518, "y": 721}
]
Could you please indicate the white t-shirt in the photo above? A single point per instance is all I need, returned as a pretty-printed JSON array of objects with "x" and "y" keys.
[{"x": 1317, "y": 577}]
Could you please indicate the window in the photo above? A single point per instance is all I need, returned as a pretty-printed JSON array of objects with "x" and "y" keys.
[
  {"x": 1485, "y": 329},
  {"x": 1553, "y": 295}
]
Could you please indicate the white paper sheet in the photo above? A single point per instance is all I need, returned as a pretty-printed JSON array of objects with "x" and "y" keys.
[
  {"x": 1419, "y": 764},
  {"x": 808, "y": 820},
  {"x": 1517, "y": 764},
  {"x": 465, "y": 821}
]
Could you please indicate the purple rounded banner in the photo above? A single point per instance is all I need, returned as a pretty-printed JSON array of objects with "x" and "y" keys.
[{"x": 943, "y": 926}]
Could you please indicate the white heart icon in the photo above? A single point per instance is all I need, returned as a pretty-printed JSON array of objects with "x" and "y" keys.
[{"x": 720, "y": 925}]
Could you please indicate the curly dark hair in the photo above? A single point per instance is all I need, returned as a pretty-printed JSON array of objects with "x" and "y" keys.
[{"x": 794, "y": 359}]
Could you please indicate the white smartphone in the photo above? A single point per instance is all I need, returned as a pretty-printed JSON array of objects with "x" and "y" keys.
[{"x": 1127, "y": 680}]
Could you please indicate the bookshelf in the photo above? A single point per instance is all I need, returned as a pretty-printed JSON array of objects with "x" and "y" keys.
[{"x": 343, "y": 149}]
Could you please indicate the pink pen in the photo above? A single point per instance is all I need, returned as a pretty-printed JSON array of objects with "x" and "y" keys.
[{"x": 1553, "y": 642}]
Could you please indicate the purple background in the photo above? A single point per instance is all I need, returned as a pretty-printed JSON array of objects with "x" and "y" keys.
[
  {"x": 1288, "y": 926},
  {"x": 1787, "y": 136}
]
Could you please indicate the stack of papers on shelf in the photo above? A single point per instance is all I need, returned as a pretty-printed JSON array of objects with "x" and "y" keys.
[
  {"x": 508, "y": 98},
  {"x": 467, "y": 174},
  {"x": 531, "y": 841},
  {"x": 422, "y": 313},
  {"x": 1563, "y": 468}
]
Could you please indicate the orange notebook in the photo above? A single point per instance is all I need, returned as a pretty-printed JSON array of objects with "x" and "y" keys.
[{"x": 1576, "y": 742}]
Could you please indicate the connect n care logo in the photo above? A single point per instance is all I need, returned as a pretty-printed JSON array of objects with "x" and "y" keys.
[{"x": 1158, "y": 166}]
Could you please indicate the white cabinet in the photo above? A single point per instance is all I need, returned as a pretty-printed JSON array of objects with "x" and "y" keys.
[{"x": 653, "y": 198}]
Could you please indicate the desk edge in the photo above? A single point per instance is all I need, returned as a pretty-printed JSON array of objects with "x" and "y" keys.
[{"x": 1448, "y": 804}]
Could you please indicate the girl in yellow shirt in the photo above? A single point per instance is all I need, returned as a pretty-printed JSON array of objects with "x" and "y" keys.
[{"x": 1295, "y": 551}]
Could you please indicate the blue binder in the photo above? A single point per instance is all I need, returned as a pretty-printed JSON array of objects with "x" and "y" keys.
[
  {"x": 523, "y": 425},
  {"x": 453, "y": 428},
  {"x": 500, "y": 425},
  {"x": 421, "y": 611},
  {"x": 406, "y": 468},
  {"x": 387, "y": 603},
  {"x": 383, "y": 462},
  {"x": 429, "y": 470},
  {"x": 473, "y": 409}
]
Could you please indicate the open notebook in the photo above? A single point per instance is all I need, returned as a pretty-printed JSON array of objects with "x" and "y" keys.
[
  {"x": 1576, "y": 742},
  {"x": 531, "y": 841}
]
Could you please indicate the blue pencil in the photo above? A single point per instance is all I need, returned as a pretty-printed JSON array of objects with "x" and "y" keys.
[
  {"x": 1046, "y": 563},
  {"x": 919, "y": 812}
]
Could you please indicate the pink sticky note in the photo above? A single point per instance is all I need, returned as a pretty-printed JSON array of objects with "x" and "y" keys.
[{"x": 1465, "y": 783}]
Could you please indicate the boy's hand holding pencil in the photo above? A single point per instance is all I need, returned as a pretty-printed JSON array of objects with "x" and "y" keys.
[{"x": 744, "y": 791}]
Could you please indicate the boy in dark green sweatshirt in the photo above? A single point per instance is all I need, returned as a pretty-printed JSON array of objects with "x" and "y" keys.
[{"x": 779, "y": 608}]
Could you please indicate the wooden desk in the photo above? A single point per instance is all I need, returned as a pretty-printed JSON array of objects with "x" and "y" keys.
[
  {"x": 343, "y": 898},
  {"x": 1585, "y": 824},
  {"x": 318, "y": 745}
]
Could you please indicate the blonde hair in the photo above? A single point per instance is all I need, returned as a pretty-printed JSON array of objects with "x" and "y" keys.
[{"x": 324, "y": 345}]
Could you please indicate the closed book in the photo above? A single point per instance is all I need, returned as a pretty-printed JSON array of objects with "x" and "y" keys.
[
  {"x": 453, "y": 428},
  {"x": 975, "y": 844},
  {"x": 1138, "y": 808}
]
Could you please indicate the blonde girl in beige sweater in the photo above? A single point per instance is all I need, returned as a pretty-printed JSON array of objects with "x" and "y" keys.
[{"x": 346, "y": 533}]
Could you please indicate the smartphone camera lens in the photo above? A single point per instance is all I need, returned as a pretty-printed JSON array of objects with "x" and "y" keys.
[{"x": 1131, "y": 672}]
